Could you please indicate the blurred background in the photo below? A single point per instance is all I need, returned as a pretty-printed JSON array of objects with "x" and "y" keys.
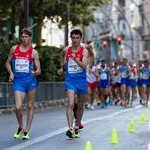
[{"x": 117, "y": 28}]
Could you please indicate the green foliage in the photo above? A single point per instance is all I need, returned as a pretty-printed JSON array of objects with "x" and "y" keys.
[
  {"x": 80, "y": 11},
  {"x": 10, "y": 8},
  {"x": 49, "y": 58},
  {"x": 5, "y": 46}
]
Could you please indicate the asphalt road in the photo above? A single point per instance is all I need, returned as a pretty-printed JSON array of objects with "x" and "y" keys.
[{"x": 49, "y": 127}]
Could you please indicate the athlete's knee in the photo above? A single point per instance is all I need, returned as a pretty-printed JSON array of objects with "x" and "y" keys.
[
  {"x": 70, "y": 105},
  {"x": 80, "y": 105},
  {"x": 30, "y": 106},
  {"x": 18, "y": 108}
]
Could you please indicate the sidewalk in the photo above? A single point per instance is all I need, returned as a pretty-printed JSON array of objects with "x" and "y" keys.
[{"x": 37, "y": 105}]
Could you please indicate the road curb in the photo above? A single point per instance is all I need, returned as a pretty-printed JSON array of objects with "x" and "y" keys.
[{"x": 38, "y": 106}]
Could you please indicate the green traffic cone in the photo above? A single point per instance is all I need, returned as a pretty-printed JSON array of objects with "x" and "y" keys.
[
  {"x": 114, "y": 137},
  {"x": 142, "y": 119},
  {"x": 149, "y": 116},
  {"x": 132, "y": 126},
  {"x": 88, "y": 145}
]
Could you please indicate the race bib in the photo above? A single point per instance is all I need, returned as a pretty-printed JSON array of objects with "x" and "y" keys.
[
  {"x": 132, "y": 75},
  {"x": 124, "y": 75},
  {"x": 103, "y": 76},
  {"x": 144, "y": 76},
  {"x": 73, "y": 67},
  {"x": 22, "y": 65},
  {"x": 140, "y": 75}
]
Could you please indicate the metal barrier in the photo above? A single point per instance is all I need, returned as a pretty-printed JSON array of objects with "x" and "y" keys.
[{"x": 46, "y": 91}]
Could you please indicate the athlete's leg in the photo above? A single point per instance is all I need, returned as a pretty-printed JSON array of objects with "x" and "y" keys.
[
  {"x": 96, "y": 94},
  {"x": 144, "y": 93},
  {"x": 147, "y": 93},
  {"x": 30, "y": 106},
  {"x": 127, "y": 94},
  {"x": 80, "y": 110},
  {"x": 123, "y": 88},
  {"x": 75, "y": 107},
  {"x": 19, "y": 96},
  {"x": 69, "y": 111},
  {"x": 90, "y": 98}
]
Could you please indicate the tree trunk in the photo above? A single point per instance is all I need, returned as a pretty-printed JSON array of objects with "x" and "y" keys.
[
  {"x": 21, "y": 21},
  {"x": 39, "y": 32},
  {"x": 13, "y": 19}
]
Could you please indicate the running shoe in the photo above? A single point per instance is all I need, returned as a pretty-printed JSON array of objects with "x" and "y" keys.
[
  {"x": 103, "y": 105},
  {"x": 92, "y": 107},
  {"x": 81, "y": 126},
  {"x": 130, "y": 104},
  {"x": 76, "y": 132},
  {"x": 26, "y": 136},
  {"x": 146, "y": 104},
  {"x": 70, "y": 133},
  {"x": 140, "y": 101},
  {"x": 18, "y": 134},
  {"x": 98, "y": 102}
]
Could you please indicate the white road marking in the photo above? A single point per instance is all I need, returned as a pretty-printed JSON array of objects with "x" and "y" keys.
[{"x": 61, "y": 130}]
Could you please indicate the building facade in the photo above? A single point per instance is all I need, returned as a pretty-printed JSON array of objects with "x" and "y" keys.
[
  {"x": 146, "y": 28},
  {"x": 125, "y": 27}
]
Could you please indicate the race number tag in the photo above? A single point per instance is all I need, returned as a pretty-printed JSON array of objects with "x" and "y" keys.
[
  {"x": 22, "y": 65},
  {"x": 132, "y": 75},
  {"x": 144, "y": 76},
  {"x": 141, "y": 75},
  {"x": 73, "y": 67},
  {"x": 103, "y": 76},
  {"x": 124, "y": 75}
]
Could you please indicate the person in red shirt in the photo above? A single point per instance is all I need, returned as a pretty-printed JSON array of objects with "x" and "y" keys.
[{"x": 23, "y": 76}]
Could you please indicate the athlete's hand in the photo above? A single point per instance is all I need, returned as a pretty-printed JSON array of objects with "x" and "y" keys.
[
  {"x": 11, "y": 77},
  {"x": 73, "y": 55},
  {"x": 35, "y": 73},
  {"x": 89, "y": 48},
  {"x": 60, "y": 71}
]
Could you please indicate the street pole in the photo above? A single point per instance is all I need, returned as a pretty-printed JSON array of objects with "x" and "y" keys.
[
  {"x": 67, "y": 22},
  {"x": 26, "y": 13},
  {"x": 131, "y": 32}
]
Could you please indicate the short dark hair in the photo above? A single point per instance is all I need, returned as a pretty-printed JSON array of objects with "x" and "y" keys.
[
  {"x": 103, "y": 60},
  {"x": 146, "y": 61},
  {"x": 88, "y": 42},
  {"x": 76, "y": 31},
  {"x": 26, "y": 31}
]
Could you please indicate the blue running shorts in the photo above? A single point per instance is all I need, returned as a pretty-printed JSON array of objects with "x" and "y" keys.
[
  {"x": 103, "y": 84},
  {"x": 25, "y": 84},
  {"x": 79, "y": 86}
]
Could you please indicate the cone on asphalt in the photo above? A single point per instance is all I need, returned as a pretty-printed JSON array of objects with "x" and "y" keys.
[
  {"x": 149, "y": 116},
  {"x": 142, "y": 119},
  {"x": 132, "y": 126},
  {"x": 88, "y": 145},
  {"x": 114, "y": 137}
]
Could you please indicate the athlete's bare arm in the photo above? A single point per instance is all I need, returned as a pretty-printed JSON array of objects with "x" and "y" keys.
[
  {"x": 37, "y": 63},
  {"x": 91, "y": 54},
  {"x": 8, "y": 64},
  {"x": 84, "y": 62},
  {"x": 62, "y": 57},
  {"x": 62, "y": 61}
]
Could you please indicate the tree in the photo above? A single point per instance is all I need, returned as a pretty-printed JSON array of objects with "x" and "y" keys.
[
  {"x": 78, "y": 12},
  {"x": 44, "y": 8},
  {"x": 9, "y": 9},
  {"x": 49, "y": 58}
]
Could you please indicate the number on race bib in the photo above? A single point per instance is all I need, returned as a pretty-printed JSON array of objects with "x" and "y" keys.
[
  {"x": 103, "y": 76},
  {"x": 73, "y": 67},
  {"x": 22, "y": 65},
  {"x": 144, "y": 76},
  {"x": 124, "y": 75}
]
